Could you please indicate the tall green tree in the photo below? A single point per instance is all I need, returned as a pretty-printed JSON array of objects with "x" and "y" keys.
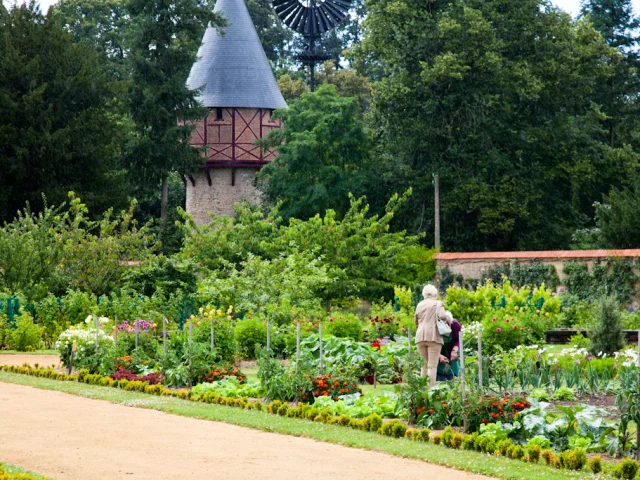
[
  {"x": 56, "y": 129},
  {"x": 323, "y": 150},
  {"x": 618, "y": 96},
  {"x": 274, "y": 35},
  {"x": 165, "y": 35},
  {"x": 498, "y": 98}
]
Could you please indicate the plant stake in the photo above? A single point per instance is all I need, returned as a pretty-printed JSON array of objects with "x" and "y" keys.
[
  {"x": 480, "y": 360},
  {"x": 320, "y": 334},
  {"x": 97, "y": 338},
  {"x": 190, "y": 351},
  {"x": 212, "y": 337},
  {"x": 268, "y": 334},
  {"x": 465, "y": 425},
  {"x": 164, "y": 338}
]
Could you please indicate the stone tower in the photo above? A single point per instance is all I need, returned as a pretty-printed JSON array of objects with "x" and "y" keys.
[{"x": 239, "y": 89}]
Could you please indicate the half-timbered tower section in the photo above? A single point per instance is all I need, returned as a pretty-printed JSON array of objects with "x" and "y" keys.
[{"x": 235, "y": 82}]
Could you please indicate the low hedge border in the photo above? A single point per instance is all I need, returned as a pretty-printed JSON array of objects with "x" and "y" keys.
[{"x": 571, "y": 460}]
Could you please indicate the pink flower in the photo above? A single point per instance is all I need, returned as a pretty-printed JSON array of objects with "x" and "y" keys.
[
  {"x": 331, "y": 319},
  {"x": 515, "y": 327},
  {"x": 521, "y": 329},
  {"x": 506, "y": 320},
  {"x": 493, "y": 319},
  {"x": 498, "y": 329}
]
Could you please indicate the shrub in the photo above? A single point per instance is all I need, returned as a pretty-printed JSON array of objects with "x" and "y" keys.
[
  {"x": 481, "y": 444},
  {"x": 258, "y": 406},
  {"x": 503, "y": 446},
  {"x": 574, "y": 459},
  {"x": 394, "y": 428},
  {"x": 26, "y": 335},
  {"x": 283, "y": 409},
  {"x": 250, "y": 333},
  {"x": 421, "y": 435},
  {"x": 447, "y": 436},
  {"x": 456, "y": 440},
  {"x": 274, "y": 406},
  {"x": 344, "y": 326},
  {"x": 435, "y": 438},
  {"x": 607, "y": 337},
  {"x": 468, "y": 442},
  {"x": 628, "y": 468},
  {"x": 373, "y": 421},
  {"x": 534, "y": 451},
  {"x": 595, "y": 464}
]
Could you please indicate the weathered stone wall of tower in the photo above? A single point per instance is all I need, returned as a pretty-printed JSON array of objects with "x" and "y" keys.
[
  {"x": 228, "y": 136},
  {"x": 219, "y": 197}
]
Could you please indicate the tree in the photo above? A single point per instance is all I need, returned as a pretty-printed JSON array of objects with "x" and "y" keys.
[
  {"x": 56, "y": 129},
  {"x": 617, "y": 24},
  {"x": 617, "y": 218},
  {"x": 607, "y": 337},
  {"x": 274, "y": 35},
  {"x": 498, "y": 98},
  {"x": 323, "y": 150},
  {"x": 101, "y": 23},
  {"x": 359, "y": 252},
  {"x": 165, "y": 35}
]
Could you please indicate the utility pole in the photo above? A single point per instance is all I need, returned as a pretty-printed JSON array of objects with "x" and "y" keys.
[{"x": 436, "y": 183}]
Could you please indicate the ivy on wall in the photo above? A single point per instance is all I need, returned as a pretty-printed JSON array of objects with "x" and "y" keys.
[
  {"x": 613, "y": 276},
  {"x": 519, "y": 274}
]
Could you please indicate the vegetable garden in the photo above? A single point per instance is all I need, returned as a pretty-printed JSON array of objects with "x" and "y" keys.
[{"x": 287, "y": 298}]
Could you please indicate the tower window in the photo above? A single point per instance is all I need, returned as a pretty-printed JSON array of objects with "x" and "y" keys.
[
  {"x": 271, "y": 115},
  {"x": 218, "y": 113}
]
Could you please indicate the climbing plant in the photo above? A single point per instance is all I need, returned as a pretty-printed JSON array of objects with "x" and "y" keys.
[{"x": 613, "y": 276}]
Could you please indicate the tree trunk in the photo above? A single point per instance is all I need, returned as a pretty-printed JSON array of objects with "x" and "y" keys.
[{"x": 164, "y": 200}]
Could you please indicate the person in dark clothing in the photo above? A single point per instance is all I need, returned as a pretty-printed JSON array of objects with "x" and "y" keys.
[{"x": 448, "y": 366}]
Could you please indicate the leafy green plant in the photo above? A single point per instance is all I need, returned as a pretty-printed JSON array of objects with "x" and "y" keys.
[
  {"x": 250, "y": 333},
  {"x": 564, "y": 394},
  {"x": 26, "y": 336},
  {"x": 344, "y": 326}
]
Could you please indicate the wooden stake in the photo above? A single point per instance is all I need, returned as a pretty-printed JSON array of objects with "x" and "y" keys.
[
  {"x": 164, "y": 337},
  {"x": 320, "y": 334},
  {"x": 137, "y": 322},
  {"x": 638, "y": 426},
  {"x": 190, "y": 351},
  {"x": 465, "y": 424},
  {"x": 480, "y": 361},
  {"x": 212, "y": 338},
  {"x": 115, "y": 321},
  {"x": 436, "y": 208},
  {"x": 268, "y": 334},
  {"x": 297, "y": 344},
  {"x": 97, "y": 337}
]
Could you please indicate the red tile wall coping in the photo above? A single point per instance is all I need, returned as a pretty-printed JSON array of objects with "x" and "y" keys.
[{"x": 538, "y": 255}]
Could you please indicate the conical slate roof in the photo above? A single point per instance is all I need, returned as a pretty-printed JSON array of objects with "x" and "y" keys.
[{"x": 233, "y": 69}]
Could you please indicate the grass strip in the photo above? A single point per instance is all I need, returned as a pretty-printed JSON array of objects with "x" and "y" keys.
[
  {"x": 502, "y": 468},
  {"x": 13, "y": 470}
]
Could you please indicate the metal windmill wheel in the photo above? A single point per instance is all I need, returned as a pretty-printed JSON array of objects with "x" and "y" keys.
[{"x": 312, "y": 18}]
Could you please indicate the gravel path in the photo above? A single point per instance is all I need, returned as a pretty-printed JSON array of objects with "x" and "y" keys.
[
  {"x": 70, "y": 437},
  {"x": 19, "y": 359}
]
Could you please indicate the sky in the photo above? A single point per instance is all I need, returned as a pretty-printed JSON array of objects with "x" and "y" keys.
[{"x": 570, "y": 6}]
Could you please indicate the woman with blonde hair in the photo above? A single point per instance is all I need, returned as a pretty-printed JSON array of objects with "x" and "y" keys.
[{"x": 428, "y": 338}]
